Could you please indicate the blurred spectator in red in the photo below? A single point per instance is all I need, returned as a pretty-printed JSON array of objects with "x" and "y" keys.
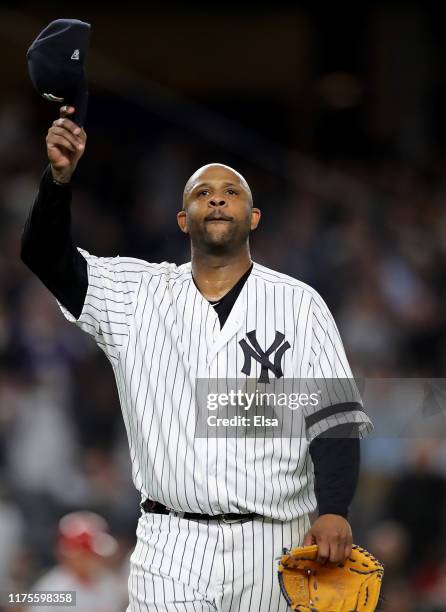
[
  {"x": 85, "y": 551},
  {"x": 430, "y": 584}
]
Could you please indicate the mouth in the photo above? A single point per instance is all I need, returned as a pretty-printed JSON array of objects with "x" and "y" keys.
[{"x": 218, "y": 220}]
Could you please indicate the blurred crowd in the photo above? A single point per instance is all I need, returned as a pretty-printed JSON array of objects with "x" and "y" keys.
[{"x": 368, "y": 235}]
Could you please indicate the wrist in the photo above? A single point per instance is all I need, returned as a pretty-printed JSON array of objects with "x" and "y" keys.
[
  {"x": 343, "y": 512},
  {"x": 60, "y": 178}
]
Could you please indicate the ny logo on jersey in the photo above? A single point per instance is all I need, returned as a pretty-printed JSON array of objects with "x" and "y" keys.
[{"x": 255, "y": 352}]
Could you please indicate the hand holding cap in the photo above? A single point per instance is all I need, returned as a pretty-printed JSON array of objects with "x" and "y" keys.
[{"x": 56, "y": 61}]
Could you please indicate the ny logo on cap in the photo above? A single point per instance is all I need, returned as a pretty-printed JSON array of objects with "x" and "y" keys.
[
  {"x": 255, "y": 352},
  {"x": 75, "y": 54}
]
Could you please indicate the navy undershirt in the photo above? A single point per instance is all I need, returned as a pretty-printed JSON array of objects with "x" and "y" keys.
[
  {"x": 49, "y": 251},
  {"x": 224, "y": 305}
]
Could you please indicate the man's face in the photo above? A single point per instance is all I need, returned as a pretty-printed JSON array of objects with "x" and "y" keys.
[{"x": 218, "y": 213}]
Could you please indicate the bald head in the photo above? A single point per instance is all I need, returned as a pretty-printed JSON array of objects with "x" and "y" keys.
[
  {"x": 217, "y": 211},
  {"x": 215, "y": 172}
]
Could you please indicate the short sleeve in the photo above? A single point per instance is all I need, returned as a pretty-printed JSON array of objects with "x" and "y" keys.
[
  {"x": 330, "y": 376},
  {"x": 109, "y": 304}
]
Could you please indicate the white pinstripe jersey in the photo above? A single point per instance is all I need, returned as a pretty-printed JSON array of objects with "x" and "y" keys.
[{"x": 160, "y": 334}]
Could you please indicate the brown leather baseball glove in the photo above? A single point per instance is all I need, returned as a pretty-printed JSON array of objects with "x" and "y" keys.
[{"x": 309, "y": 586}]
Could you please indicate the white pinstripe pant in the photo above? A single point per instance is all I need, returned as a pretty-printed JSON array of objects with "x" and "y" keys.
[{"x": 206, "y": 566}]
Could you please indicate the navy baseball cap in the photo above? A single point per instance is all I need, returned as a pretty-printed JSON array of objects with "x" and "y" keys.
[{"x": 56, "y": 64}]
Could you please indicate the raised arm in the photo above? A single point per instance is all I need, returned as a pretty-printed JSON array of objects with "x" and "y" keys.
[{"x": 47, "y": 245}]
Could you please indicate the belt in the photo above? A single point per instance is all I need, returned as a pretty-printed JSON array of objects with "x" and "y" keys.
[{"x": 230, "y": 517}]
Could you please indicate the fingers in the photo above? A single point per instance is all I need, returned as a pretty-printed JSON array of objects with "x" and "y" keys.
[
  {"x": 308, "y": 540},
  {"x": 66, "y": 133},
  {"x": 336, "y": 552},
  {"x": 68, "y": 125},
  {"x": 331, "y": 551},
  {"x": 61, "y": 141},
  {"x": 334, "y": 549},
  {"x": 56, "y": 131},
  {"x": 333, "y": 536},
  {"x": 66, "y": 110},
  {"x": 323, "y": 553}
]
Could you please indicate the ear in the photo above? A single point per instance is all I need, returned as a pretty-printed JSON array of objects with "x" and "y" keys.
[
  {"x": 182, "y": 221},
  {"x": 255, "y": 217}
]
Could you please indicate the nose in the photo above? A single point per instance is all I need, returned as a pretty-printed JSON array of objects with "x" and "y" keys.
[{"x": 216, "y": 202}]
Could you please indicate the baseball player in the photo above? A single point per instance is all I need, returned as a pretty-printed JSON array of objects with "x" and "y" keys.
[{"x": 216, "y": 510}]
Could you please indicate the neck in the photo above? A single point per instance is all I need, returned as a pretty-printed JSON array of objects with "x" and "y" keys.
[{"x": 216, "y": 274}]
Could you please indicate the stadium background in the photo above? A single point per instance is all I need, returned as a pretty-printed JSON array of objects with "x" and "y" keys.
[{"x": 336, "y": 117}]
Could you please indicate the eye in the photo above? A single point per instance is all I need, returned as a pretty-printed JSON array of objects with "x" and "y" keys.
[
  {"x": 232, "y": 191},
  {"x": 203, "y": 192}
]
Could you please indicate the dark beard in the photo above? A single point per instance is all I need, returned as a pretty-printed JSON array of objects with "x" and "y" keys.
[{"x": 236, "y": 241}]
